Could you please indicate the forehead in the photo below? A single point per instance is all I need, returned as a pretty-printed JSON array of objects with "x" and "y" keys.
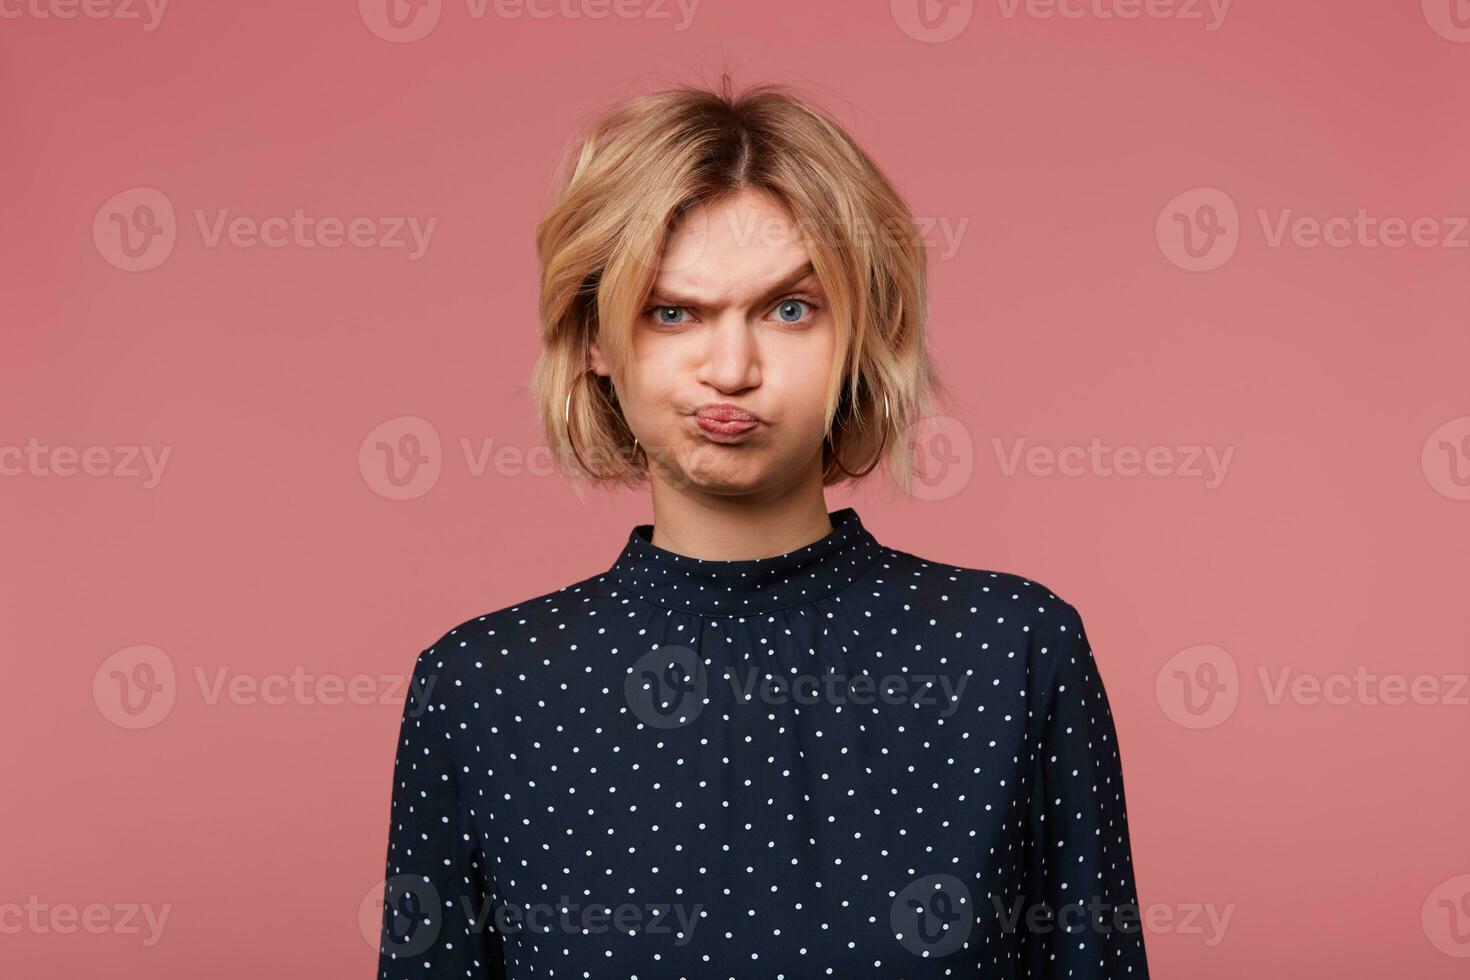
[{"x": 734, "y": 249}]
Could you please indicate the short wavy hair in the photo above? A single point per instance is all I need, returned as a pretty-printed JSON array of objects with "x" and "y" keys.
[{"x": 621, "y": 190}]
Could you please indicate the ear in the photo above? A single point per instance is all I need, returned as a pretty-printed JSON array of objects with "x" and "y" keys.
[{"x": 598, "y": 362}]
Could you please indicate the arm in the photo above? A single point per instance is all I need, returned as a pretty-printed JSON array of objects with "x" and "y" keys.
[
  {"x": 434, "y": 889},
  {"x": 1080, "y": 862}
]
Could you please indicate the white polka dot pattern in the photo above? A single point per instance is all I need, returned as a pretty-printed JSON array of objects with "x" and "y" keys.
[{"x": 843, "y": 761}]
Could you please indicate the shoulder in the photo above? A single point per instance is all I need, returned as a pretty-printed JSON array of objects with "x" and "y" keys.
[
  {"x": 1003, "y": 598},
  {"x": 1004, "y": 616},
  {"x": 520, "y": 626}
]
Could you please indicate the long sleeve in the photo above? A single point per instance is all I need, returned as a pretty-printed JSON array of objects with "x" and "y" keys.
[
  {"x": 1080, "y": 865},
  {"x": 433, "y": 890}
]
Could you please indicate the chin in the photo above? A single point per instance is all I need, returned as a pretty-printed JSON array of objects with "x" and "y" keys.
[
  {"x": 723, "y": 470},
  {"x": 732, "y": 483}
]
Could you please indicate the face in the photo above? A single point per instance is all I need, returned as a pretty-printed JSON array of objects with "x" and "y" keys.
[{"x": 731, "y": 354}]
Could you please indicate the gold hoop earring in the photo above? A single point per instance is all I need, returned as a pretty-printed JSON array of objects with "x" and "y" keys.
[
  {"x": 877, "y": 457},
  {"x": 567, "y": 423}
]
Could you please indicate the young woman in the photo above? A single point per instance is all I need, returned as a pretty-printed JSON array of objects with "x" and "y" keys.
[{"x": 761, "y": 743}]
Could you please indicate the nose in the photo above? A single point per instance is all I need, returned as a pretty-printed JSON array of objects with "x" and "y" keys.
[{"x": 731, "y": 357}]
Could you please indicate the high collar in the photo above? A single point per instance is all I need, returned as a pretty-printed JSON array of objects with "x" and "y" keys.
[{"x": 747, "y": 586}]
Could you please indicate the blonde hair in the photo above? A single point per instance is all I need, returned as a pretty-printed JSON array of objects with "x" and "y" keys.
[{"x": 623, "y": 186}]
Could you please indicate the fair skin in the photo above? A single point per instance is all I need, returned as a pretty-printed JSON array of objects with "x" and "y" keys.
[{"x": 736, "y": 318}]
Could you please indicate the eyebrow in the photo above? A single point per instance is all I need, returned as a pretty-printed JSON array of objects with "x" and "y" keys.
[{"x": 665, "y": 297}]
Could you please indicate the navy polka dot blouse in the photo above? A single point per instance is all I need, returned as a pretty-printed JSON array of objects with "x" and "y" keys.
[{"x": 843, "y": 761}]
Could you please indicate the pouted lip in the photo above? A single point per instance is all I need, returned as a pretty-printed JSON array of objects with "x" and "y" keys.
[{"x": 725, "y": 412}]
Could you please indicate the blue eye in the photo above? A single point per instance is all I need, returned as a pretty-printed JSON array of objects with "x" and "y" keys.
[
  {"x": 791, "y": 311},
  {"x": 786, "y": 305}
]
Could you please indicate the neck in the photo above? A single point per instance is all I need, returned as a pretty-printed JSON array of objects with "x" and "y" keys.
[{"x": 691, "y": 522}]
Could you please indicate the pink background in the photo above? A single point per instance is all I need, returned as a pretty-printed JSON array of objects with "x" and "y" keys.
[{"x": 1333, "y": 835}]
